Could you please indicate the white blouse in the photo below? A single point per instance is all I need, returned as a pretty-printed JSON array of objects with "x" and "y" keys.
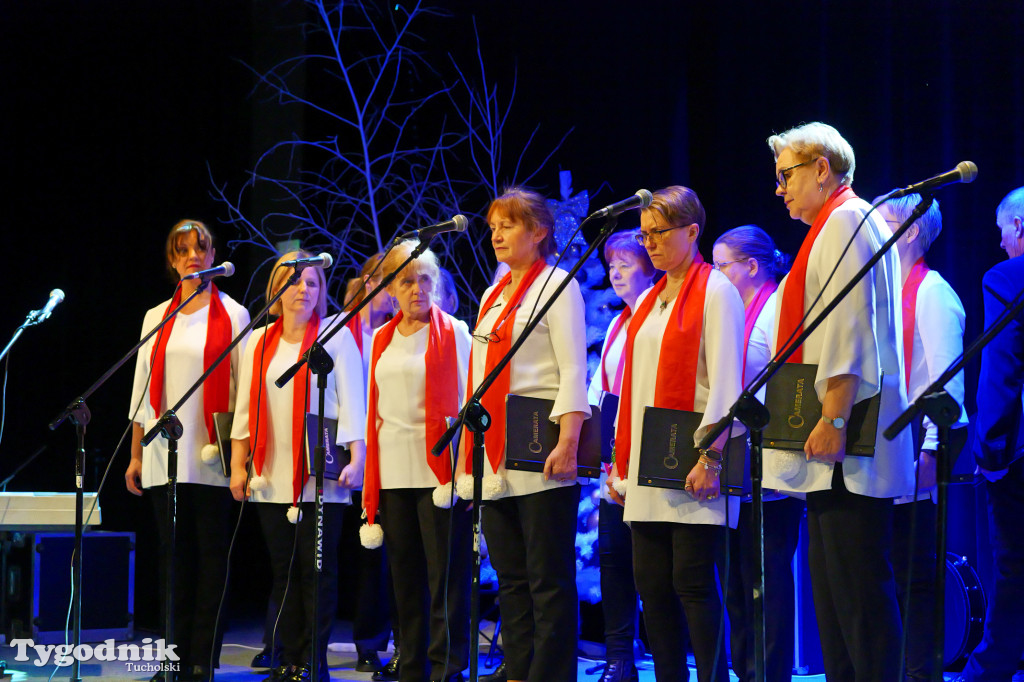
[
  {"x": 612, "y": 355},
  {"x": 343, "y": 401},
  {"x": 940, "y": 315},
  {"x": 401, "y": 377},
  {"x": 551, "y": 364},
  {"x": 863, "y": 336},
  {"x": 183, "y": 360},
  {"x": 718, "y": 386}
]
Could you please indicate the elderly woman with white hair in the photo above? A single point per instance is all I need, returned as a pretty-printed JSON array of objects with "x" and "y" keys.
[
  {"x": 933, "y": 338},
  {"x": 418, "y": 367},
  {"x": 270, "y": 427},
  {"x": 858, "y": 352}
]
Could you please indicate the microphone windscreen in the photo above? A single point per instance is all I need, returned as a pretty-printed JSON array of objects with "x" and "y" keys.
[
  {"x": 461, "y": 223},
  {"x": 968, "y": 171},
  {"x": 229, "y": 268},
  {"x": 645, "y": 198},
  {"x": 328, "y": 260},
  {"x": 57, "y": 294}
]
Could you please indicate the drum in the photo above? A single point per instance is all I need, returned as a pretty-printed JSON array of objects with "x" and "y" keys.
[{"x": 965, "y": 611}]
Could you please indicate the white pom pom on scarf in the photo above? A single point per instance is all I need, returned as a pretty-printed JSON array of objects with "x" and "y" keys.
[
  {"x": 371, "y": 537},
  {"x": 210, "y": 453},
  {"x": 443, "y": 496},
  {"x": 785, "y": 464}
]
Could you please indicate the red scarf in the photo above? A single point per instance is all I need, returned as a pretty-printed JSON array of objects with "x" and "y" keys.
[
  {"x": 441, "y": 401},
  {"x": 676, "y": 381},
  {"x": 791, "y": 312},
  {"x": 494, "y": 400},
  {"x": 620, "y": 322},
  {"x": 750, "y": 315},
  {"x": 300, "y": 396},
  {"x": 910, "y": 287},
  {"x": 217, "y": 387},
  {"x": 355, "y": 325}
]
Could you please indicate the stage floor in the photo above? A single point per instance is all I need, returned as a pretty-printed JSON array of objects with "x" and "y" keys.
[{"x": 242, "y": 642}]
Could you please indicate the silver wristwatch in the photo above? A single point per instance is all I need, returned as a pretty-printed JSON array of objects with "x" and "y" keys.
[{"x": 838, "y": 422}]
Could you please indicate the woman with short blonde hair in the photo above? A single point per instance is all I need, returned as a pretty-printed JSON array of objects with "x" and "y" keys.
[
  {"x": 858, "y": 354},
  {"x": 270, "y": 428}
]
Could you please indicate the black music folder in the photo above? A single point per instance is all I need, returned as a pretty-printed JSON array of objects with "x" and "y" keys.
[
  {"x": 667, "y": 452},
  {"x": 530, "y": 436},
  {"x": 222, "y": 428},
  {"x": 336, "y": 457},
  {"x": 795, "y": 409},
  {"x": 609, "y": 410}
]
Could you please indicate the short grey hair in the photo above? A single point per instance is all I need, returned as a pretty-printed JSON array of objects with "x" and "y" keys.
[
  {"x": 930, "y": 224},
  {"x": 811, "y": 140},
  {"x": 1011, "y": 205}
]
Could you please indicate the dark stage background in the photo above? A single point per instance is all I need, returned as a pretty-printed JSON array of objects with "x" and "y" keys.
[{"x": 113, "y": 111}]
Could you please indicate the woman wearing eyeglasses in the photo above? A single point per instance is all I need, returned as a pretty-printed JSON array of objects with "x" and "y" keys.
[
  {"x": 748, "y": 257},
  {"x": 270, "y": 428},
  {"x": 407, "y": 483},
  {"x": 858, "y": 354},
  {"x": 172, "y": 361},
  {"x": 630, "y": 272},
  {"x": 683, "y": 351},
  {"x": 530, "y": 518}
]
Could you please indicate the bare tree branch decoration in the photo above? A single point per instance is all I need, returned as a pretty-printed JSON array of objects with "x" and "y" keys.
[{"x": 404, "y": 144}]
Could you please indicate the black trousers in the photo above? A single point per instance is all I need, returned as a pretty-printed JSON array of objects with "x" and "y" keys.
[
  {"x": 1000, "y": 649},
  {"x": 849, "y": 538},
  {"x": 676, "y": 575},
  {"x": 781, "y": 536},
  {"x": 294, "y": 626},
  {"x": 375, "y": 611},
  {"x": 435, "y": 622},
  {"x": 618, "y": 593},
  {"x": 202, "y": 534},
  {"x": 913, "y": 558},
  {"x": 532, "y": 545}
]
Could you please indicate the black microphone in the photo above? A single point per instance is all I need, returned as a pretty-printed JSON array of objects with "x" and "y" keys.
[
  {"x": 458, "y": 223},
  {"x": 324, "y": 260},
  {"x": 225, "y": 269},
  {"x": 965, "y": 171},
  {"x": 642, "y": 199},
  {"x": 56, "y": 296}
]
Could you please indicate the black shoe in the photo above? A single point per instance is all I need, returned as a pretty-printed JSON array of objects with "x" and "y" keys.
[
  {"x": 304, "y": 673},
  {"x": 266, "y": 659},
  {"x": 281, "y": 673},
  {"x": 498, "y": 675},
  {"x": 619, "y": 671},
  {"x": 389, "y": 673},
  {"x": 367, "y": 661}
]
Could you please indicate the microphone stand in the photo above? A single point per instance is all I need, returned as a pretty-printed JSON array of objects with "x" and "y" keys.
[
  {"x": 944, "y": 411},
  {"x": 321, "y": 364},
  {"x": 477, "y": 420},
  {"x": 171, "y": 428},
  {"x": 31, "y": 319},
  {"x": 755, "y": 416},
  {"x": 78, "y": 412}
]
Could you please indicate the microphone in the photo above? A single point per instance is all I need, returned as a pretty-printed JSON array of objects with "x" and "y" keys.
[
  {"x": 56, "y": 296},
  {"x": 458, "y": 223},
  {"x": 324, "y": 260},
  {"x": 965, "y": 171},
  {"x": 225, "y": 269},
  {"x": 642, "y": 199}
]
